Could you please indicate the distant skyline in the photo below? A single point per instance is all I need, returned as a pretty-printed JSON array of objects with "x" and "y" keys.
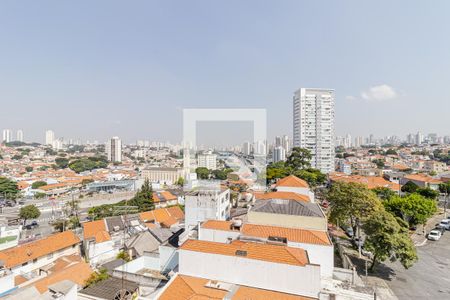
[{"x": 93, "y": 70}]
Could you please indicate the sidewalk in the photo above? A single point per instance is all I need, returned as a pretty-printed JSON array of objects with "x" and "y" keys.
[{"x": 418, "y": 237}]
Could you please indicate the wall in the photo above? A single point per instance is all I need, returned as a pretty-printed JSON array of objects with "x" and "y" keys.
[
  {"x": 213, "y": 235},
  {"x": 45, "y": 260},
  {"x": 312, "y": 223},
  {"x": 206, "y": 206},
  {"x": 318, "y": 254},
  {"x": 6, "y": 281},
  {"x": 102, "y": 252},
  {"x": 298, "y": 190},
  {"x": 250, "y": 272}
]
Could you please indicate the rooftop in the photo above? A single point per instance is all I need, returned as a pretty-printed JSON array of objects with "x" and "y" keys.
[
  {"x": 292, "y": 181},
  {"x": 287, "y": 207},
  {"x": 282, "y": 195},
  {"x": 257, "y": 251},
  {"x": 27, "y": 252}
]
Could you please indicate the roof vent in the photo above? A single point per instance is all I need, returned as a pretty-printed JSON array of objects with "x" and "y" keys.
[
  {"x": 219, "y": 285},
  {"x": 241, "y": 253},
  {"x": 116, "y": 228},
  {"x": 29, "y": 252}
]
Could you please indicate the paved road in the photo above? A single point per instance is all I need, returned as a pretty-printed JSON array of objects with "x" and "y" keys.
[{"x": 429, "y": 278}]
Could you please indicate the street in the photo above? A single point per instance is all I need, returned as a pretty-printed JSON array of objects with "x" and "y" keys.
[{"x": 429, "y": 278}]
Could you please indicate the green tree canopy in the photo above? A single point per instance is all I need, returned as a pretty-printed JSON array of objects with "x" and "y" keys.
[
  {"x": 384, "y": 193},
  {"x": 8, "y": 188},
  {"x": 29, "y": 212},
  {"x": 445, "y": 188},
  {"x": 37, "y": 184},
  {"x": 387, "y": 239},
  {"x": 299, "y": 158},
  {"x": 413, "y": 208},
  {"x": 351, "y": 202},
  {"x": 410, "y": 187},
  {"x": 29, "y": 169},
  {"x": 143, "y": 198},
  {"x": 62, "y": 162},
  {"x": 202, "y": 173},
  {"x": 428, "y": 193}
]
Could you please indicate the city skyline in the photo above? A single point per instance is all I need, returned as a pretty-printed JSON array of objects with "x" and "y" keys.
[{"x": 101, "y": 78}]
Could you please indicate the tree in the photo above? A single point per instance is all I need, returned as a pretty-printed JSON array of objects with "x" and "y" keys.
[
  {"x": 299, "y": 158},
  {"x": 38, "y": 184},
  {"x": 313, "y": 176},
  {"x": 428, "y": 193},
  {"x": 86, "y": 181},
  {"x": 383, "y": 193},
  {"x": 410, "y": 187},
  {"x": 17, "y": 157},
  {"x": 29, "y": 212},
  {"x": 379, "y": 162},
  {"x": 444, "y": 188},
  {"x": 180, "y": 181},
  {"x": 39, "y": 195},
  {"x": 66, "y": 224},
  {"x": 123, "y": 255},
  {"x": 29, "y": 169},
  {"x": 413, "y": 208},
  {"x": 276, "y": 171},
  {"x": 8, "y": 188},
  {"x": 62, "y": 162},
  {"x": 202, "y": 172},
  {"x": 143, "y": 198},
  {"x": 391, "y": 151},
  {"x": 387, "y": 239},
  {"x": 351, "y": 203}
]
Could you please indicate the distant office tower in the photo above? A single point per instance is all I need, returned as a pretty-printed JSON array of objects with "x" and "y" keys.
[
  {"x": 49, "y": 137},
  {"x": 246, "y": 148},
  {"x": 19, "y": 135},
  {"x": 6, "y": 135},
  {"x": 259, "y": 148},
  {"x": 114, "y": 149},
  {"x": 279, "y": 154},
  {"x": 283, "y": 141},
  {"x": 314, "y": 125},
  {"x": 419, "y": 138},
  {"x": 207, "y": 160}
]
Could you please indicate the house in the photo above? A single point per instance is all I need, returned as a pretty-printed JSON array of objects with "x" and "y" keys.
[
  {"x": 100, "y": 246},
  {"x": 371, "y": 182},
  {"x": 162, "y": 217},
  {"x": 281, "y": 195},
  {"x": 294, "y": 184},
  {"x": 422, "y": 180},
  {"x": 317, "y": 243},
  {"x": 30, "y": 257},
  {"x": 109, "y": 289},
  {"x": 182, "y": 287},
  {"x": 206, "y": 204},
  {"x": 263, "y": 266},
  {"x": 61, "y": 290},
  {"x": 164, "y": 199},
  {"x": 288, "y": 213}
]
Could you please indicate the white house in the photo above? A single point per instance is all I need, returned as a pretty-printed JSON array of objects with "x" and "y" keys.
[{"x": 204, "y": 205}]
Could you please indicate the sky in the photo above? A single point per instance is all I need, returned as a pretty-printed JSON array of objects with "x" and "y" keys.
[{"x": 95, "y": 69}]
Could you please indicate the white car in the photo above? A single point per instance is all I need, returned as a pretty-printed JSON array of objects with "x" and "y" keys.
[
  {"x": 434, "y": 235},
  {"x": 445, "y": 223}
]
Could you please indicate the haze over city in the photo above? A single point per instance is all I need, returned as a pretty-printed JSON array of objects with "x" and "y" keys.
[{"x": 104, "y": 68}]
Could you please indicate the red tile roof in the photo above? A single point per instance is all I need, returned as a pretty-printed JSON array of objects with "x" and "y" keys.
[{"x": 292, "y": 181}]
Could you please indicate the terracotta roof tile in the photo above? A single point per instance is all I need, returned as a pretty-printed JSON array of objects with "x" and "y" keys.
[
  {"x": 282, "y": 195},
  {"x": 96, "y": 230},
  {"x": 265, "y": 252},
  {"x": 188, "y": 287},
  {"x": 250, "y": 293},
  {"x": 218, "y": 225},
  {"x": 27, "y": 252},
  {"x": 292, "y": 181},
  {"x": 291, "y": 234}
]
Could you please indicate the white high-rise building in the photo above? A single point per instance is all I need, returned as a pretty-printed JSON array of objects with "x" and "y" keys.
[
  {"x": 49, "y": 137},
  {"x": 279, "y": 154},
  {"x": 114, "y": 149},
  {"x": 247, "y": 148},
  {"x": 7, "y": 135},
  {"x": 207, "y": 160},
  {"x": 314, "y": 125},
  {"x": 19, "y": 135}
]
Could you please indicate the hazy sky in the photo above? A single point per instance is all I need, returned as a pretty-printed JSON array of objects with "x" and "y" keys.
[{"x": 93, "y": 69}]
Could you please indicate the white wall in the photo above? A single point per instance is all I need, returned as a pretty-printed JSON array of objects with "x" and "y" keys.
[
  {"x": 250, "y": 272},
  {"x": 6, "y": 281},
  {"x": 318, "y": 254},
  {"x": 45, "y": 260},
  {"x": 214, "y": 235},
  {"x": 210, "y": 205},
  {"x": 102, "y": 252}
]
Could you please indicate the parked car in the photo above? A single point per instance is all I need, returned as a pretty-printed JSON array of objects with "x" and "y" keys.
[
  {"x": 445, "y": 223},
  {"x": 440, "y": 229},
  {"x": 434, "y": 235},
  {"x": 32, "y": 225}
]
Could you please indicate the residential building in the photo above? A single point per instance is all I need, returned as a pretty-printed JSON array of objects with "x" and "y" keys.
[
  {"x": 49, "y": 137},
  {"x": 7, "y": 135},
  {"x": 422, "y": 180},
  {"x": 19, "y": 135},
  {"x": 313, "y": 114},
  {"x": 207, "y": 160},
  {"x": 371, "y": 182},
  {"x": 294, "y": 184},
  {"x": 279, "y": 154},
  {"x": 262, "y": 266},
  {"x": 30, "y": 257},
  {"x": 288, "y": 213},
  {"x": 114, "y": 149},
  {"x": 247, "y": 148},
  {"x": 205, "y": 204},
  {"x": 162, "y": 175}
]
